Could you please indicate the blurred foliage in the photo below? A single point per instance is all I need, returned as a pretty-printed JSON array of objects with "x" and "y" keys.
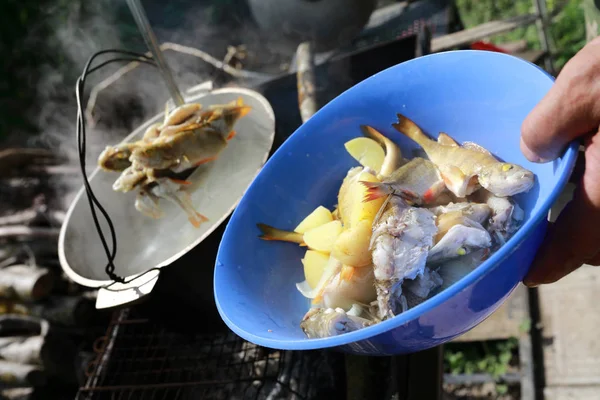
[
  {"x": 493, "y": 357},
  {"x": 29, "y": 47},
  {"x": 567, "y": 30}
]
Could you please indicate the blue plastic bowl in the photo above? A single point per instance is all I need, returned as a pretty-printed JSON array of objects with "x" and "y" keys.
[{"x": 471, "y": 95}]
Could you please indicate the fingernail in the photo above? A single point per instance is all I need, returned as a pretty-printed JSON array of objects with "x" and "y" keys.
[{"x": 531, "y": 155}]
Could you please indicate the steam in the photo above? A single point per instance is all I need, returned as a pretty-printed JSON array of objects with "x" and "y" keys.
[{"x": 135, "y": 97}]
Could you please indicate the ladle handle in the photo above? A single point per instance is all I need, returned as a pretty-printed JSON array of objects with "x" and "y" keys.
[{"x": 146, "y": 30}]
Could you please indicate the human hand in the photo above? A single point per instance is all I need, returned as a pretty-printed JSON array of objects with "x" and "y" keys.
[{"x": 569, "y": 111}]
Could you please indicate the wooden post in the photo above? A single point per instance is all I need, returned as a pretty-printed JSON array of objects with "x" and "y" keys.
[{"x": 545, "y": 39}]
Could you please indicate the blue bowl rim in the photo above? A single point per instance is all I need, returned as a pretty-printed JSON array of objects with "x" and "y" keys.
[{"x": 568, "y": 158}]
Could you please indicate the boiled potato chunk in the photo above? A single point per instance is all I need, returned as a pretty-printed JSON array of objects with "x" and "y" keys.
[
  {"x": 320, "y": 216},
  {"x": 323, "y": 237},
  {"x": 314, "y": 265},
  {"x": 367, "y": 152},
  {"x": 352, "y": 245},
  {"x": 352, "y": 208}
]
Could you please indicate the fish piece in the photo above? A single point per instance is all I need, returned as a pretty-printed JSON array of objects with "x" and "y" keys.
[
  {"x": 116, "y": 158},
  {"x": 423, "y": 284},
  {"x": 401, "y": 241},
  {"x": 506, "y": 217},
  {"x": 459, "y": 214},
  {"x": 417, "y": 181},
  {"x": 463, "y": 169},
  {"x": 169, "y": 190},
  {"x": 456, "y": 268},
  {"x": 458, "y": 241},
  {"x": 326, "y": 322},
  {"x": 420, "y": 289},
  {"x": 132, "y": 177},
  {"x": 152, "y": 132},
  {"x": 180, "y": 151},
  {"x": 478, "y": 212},
  {"x": 271, "y": 233},
  {"x": 393, "y": 155},
  {"x": 180, "y": 114},
  {"x": 358, "y": 286},
  {"x": 148, "y": 204}
]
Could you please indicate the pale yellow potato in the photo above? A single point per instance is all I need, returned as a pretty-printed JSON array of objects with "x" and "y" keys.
[
  {"x": 323, "y": 237},
  {"x": 351, "y": 205},
  {"x": 314, "y": 265},
  {"x": 320, "y": 216},
  {"x": 352, "y": 245},
  {"x": 361, "y": 210},
  {"x": 367, "y": 152}
]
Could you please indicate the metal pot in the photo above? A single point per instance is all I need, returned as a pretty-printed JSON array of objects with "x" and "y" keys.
[
  {"x": 328, "y": 24},
  {"x": 144, "y": 243}
]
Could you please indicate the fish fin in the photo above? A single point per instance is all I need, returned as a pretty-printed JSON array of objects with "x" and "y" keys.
[
  {"x": 347, "y": 273},
  {"x": 231, "y": 135},
  {"x": 374, "y": 133},
  {"x": 180, "y": 181},
  {"x": 408, "y": 128},
  {"x": 446, "y": 140},
  {"x": 271, "y": 233},
  {"x": 393, "y": 155},
  {"x": 375, "y": 190},
  {"x": 242, "y": 111},
  {"x": 378, "y": 217},
  {"x": 433, "y": 192},
  {"x": 204, "y": 161},
  {"x": 473, "y": 185},
  {"x": 197, "y": 220},
  {"x": 475, "y": 147},
  {"x": 455, "y": 179}
]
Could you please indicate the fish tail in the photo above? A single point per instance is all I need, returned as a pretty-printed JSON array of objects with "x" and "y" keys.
[
  {"x": 347, "y": 273},
  {"x": 183, "y": 200},
  {"x": 408, "y": 128},
  {"x": 271, "y": 233},
  {"x": 375, "y": 190}
]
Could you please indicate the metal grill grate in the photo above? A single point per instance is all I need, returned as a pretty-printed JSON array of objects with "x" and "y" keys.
[{"x": 141, "y": 359}]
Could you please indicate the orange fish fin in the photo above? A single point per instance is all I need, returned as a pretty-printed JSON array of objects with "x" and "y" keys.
[
  {"x": 204, "y": 161},
  {"x": 231, "y": 135},
  {"x": 180, "y": 181},
  {"x": 374, "y": 191},
  {"x": 434, "y": 192}
]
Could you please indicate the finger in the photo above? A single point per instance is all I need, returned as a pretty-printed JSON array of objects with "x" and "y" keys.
[
  {"x": 569, "y": 110},
  {"x": 574, "y": 239}
]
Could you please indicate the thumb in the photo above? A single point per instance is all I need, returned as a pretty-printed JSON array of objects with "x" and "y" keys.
[{"x": 569, "y": 110}]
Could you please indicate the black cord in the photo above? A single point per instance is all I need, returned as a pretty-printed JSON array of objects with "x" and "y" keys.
[{"x": 81, "y": 147}]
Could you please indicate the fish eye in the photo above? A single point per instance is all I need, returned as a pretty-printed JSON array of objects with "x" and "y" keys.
[{"x": 507, "y": 167}]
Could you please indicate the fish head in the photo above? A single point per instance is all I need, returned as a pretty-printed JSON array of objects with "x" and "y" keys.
[
  {"x": 115, "y": 158},
  {"x": 330, "y": 322},
  {"x": 506, "y": 179}
]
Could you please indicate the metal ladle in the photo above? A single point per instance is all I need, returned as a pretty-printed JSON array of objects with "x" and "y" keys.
[{"x": 139, "y": 14}]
